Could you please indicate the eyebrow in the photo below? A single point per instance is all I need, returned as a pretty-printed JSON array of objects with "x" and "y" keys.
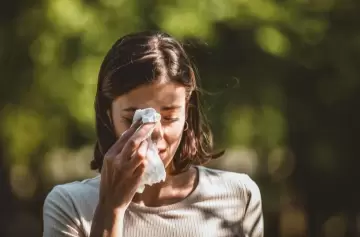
[{"x": 164, "y": 108}]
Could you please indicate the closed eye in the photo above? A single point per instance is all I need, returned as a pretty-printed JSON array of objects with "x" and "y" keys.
[
  {"x": 127, "y": 120},
  {"x": 166, "y": 119},
  {"x": 169, "y": 119}
]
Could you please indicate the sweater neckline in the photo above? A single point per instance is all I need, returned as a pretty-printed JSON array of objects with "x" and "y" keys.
[{"x": 191, "y": 198}]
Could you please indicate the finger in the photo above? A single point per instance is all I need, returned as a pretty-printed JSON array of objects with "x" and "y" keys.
[
  {"x": 136, "y": 177},
  {"x": 126, "y": 164},
  {"x": 142, "y": 150},
  {"x": 131, "y": 129},
  {"x": 136, "y": 139},
  {"x": 139, "y": 171},
  {"x": 139, "y": 156},
  {"x": 103, "y": 181},
  {"x": 119, "y": 144}
]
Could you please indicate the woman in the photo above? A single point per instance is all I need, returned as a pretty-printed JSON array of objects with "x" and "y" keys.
[{"x": 151, "y": 69}]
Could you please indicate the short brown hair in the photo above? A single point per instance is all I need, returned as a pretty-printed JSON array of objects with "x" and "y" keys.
[{"x": 141, "y": 58}]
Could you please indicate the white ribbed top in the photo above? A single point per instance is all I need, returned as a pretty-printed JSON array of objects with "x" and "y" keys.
[{"x": 222, "y": 204}]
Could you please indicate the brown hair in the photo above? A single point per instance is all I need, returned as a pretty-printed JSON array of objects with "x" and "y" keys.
[{"x": 140, "y": 58}]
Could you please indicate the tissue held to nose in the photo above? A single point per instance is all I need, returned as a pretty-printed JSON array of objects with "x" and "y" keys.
[{"x": 155, "y": 170}]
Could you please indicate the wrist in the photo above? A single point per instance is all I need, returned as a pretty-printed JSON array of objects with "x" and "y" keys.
[
  {"x": 110, "y": 212},
  {"x": 113, "y": 219},
  {"x": 107, "y": 221},
  {"x": 111, "y": 207},
  {"x": 118, "y": 212}
]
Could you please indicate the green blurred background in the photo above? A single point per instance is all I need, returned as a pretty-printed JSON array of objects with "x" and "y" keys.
[{"x": 284, "y": 93}]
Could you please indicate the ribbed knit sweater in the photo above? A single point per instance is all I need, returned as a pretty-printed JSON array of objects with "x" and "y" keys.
[{"x": 222, "y": 204}]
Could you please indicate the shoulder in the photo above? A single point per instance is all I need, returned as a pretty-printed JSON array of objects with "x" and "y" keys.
[
  {"x": 69, "y": 207},
  {"x": 74, "y": 191},
  {"x": 240, "y": 187},
  {"x": 240, "y": 183}
]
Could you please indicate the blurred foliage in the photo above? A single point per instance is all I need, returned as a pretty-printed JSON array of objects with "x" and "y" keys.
[{"x": 285, "y": 81}]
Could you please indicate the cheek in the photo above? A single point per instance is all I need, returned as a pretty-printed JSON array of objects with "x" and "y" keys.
[
  {"x": 120, "y": 127},
  {"x": 173, "y": 134}
]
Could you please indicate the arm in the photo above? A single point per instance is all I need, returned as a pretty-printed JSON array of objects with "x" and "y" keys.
[
  {"x": 107, "y": 225},
  {"x": 59, "y": 217},
  {"x": 253, "y": 224}
]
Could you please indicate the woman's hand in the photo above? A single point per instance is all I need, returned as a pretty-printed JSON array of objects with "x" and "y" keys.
[{"x": 123, "y": 167}]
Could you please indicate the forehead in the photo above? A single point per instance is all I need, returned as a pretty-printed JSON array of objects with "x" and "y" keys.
[{"x": 154, "y": 95}]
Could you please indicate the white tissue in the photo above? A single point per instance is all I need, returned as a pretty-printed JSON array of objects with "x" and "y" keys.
[{"x": 155, "y": 170}]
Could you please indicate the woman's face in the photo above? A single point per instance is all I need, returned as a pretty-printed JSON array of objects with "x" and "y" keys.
[{"x": 168, "y": 99}]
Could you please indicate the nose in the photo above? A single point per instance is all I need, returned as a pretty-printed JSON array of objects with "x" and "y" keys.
[{"x": 158, "y": 133}]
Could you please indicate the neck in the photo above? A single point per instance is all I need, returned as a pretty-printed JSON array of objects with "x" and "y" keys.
[{"x": 173, "y": 189}]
